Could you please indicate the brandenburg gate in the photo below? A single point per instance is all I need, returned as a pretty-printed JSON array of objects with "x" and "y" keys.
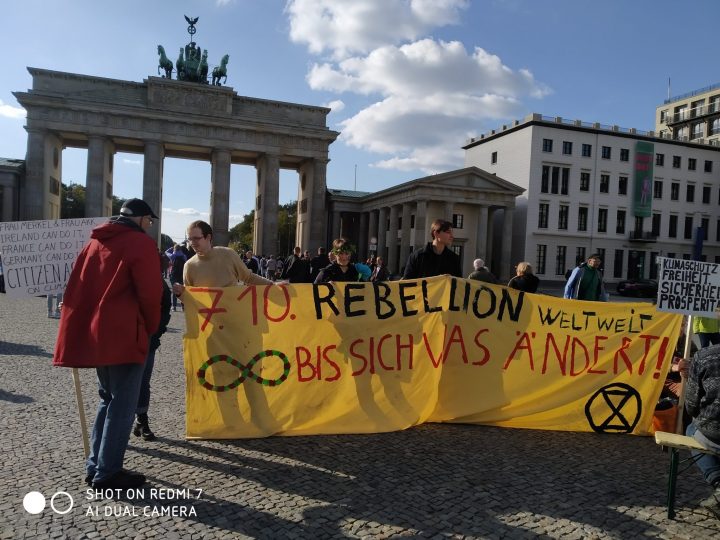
[{"x": 162, "y": 117}]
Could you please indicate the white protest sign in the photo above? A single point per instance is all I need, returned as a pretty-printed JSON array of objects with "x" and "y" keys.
[
  {"x": 688, "y": 287},
  {"x": 38, "y": 256}
]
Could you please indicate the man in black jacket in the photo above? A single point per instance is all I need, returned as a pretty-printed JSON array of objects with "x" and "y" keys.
[
  {"x": 436, "y": 258},
  {"x": 702, "y": 402}
]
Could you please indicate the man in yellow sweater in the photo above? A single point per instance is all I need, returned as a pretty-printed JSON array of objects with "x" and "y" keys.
[{"x": 213, "y": 266}]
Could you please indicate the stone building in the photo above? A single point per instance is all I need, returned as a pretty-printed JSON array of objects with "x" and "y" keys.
[{"x": 395, "y": 221}]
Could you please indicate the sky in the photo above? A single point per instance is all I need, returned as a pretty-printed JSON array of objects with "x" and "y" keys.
[{"x": 408, "y": 81}]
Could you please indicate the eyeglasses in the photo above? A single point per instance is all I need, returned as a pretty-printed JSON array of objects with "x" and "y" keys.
[{"x": 195, "y": 238}]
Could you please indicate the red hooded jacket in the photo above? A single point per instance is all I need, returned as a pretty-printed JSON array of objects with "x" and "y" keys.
[{"x": 112, "y": 300}]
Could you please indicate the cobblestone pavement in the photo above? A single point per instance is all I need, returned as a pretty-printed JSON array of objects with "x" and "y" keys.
[{"x": 435, "y": 481}]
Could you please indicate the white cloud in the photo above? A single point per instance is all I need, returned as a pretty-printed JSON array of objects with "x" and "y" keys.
[
  {"x": 346, "y": 27},
  {"x": 429, "y": 95},
  {"x": 132, "y": 161},
  {"x": 8, "y": 111},
  {"x": 336, "y": 105}
]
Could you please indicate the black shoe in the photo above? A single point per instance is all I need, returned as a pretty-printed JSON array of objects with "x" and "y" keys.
[
  {"x": 89, "y": 479},
  {"x": 146, "y": 433},
  {"x": 121, "y": 480},
  {"x": 142, "y": 428}
]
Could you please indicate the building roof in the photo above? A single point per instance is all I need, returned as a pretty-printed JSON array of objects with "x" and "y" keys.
[
  {"x": 348, "y": 193},
  {"x": 9, "y": 163},
  {"x": 537, "y": 119}
]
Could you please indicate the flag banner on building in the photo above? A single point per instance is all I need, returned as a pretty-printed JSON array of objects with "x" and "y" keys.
[
  {"x": 688, "y": 287},
  {"x": 38, "y": 256},
  {"x": 377, "y": 357}
]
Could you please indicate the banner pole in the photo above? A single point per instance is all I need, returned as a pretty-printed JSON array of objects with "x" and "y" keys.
[
  {"x": 679, "y": 428},
  {"x": 81, "y": 411}
]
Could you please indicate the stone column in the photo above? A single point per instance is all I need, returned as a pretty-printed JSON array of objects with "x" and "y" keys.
[
  {"x": 373, "y": 232},
  {"x": 152, "y": 182},
  {"x": 316, "y": 204},
  {"x": 363, "y": 249},
  {"x": 220, "y": 195},
  {"x": 382, "y": 233},
  {"x": 421, "y": 225},
  {"x": 504, "y": 271},
  {"x": 489, "y": 238},
  {"x": 336, "y": 224},
  {"x": 405, "y": 234},
  {"x": 98, "y": 186},
  {"x": 392, "y": 262},
  {"x": 449, "y": 208},
  {"x": 481, "y": 235},
  {"x": 34, "y": 192},
  {"x": 6, "y": 213},
  {"x": 266, "y": 205}
]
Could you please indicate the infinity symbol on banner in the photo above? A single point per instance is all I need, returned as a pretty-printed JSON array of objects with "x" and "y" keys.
[{"x": 245, "y": 371}]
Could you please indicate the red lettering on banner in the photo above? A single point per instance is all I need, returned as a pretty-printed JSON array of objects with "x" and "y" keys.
[
  {"x": 455, "y": 337},
  {"x": 561, "y": 358},
  {"x": 435, "y": 360},
  {"x": 266, "y": 302},
  {"x": 486, "y": 352},
  {"x": 620, "y": 353},
  {"x": 306, "y": 361},
  {"x": 648, "y": 343},
  {"x": 213, "y": 307},
  {"x": 586, "y": 357},
  {"x": 253, "y": 302},
  {"x": 596, "y": 351},
  {"x": 356, "y": 354},
  {"x": 522, "y": 344}
]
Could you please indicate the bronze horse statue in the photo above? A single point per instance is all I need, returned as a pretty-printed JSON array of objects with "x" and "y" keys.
[
  {"x": 220, "y": 71},
  {"x": 165, "y": 63}
]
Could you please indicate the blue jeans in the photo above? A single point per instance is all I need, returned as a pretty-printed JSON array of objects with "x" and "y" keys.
[
  {"x": 144, "y": 398},
  {"x": 118, "y": 386},
  {"x": 709, "y": 465}
]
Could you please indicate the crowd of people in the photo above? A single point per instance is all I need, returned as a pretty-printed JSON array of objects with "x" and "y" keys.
[{"x": 117, "y": 306}]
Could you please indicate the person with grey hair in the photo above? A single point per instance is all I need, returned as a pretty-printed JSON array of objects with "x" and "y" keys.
[{"x": 482, "y": 273}]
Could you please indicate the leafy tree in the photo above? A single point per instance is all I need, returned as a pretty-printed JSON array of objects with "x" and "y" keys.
[
  {"x": 241, "y": 235},
  {"x": 72, "y": 201}
]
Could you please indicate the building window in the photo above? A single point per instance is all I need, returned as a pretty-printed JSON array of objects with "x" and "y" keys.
[
  {"x": 706, "y": 194},
  {"x": 554, "y": 180},
  {"x": 601, "y": 252},
  {"x": 564, "y": 181},
  {"x": 543, "y": 213},
  {"x": 458, "y": 221},
  {"x": 705, "y": 224},
  {"x": 622, "y": 185},
  {"x": 717, "y": 231},
  {"x": 656, "y": 223},
  {"x": 602, "y": 220},
  {"x": 540, "y": 257},
  {"x": 660, "y": 160},
  {"x": 697, "y": 130},
  {"x": 493, "y": 158},
  {"x": 584, "y": 181},
  {"x": 412, "y": 221},
  {"x": 604, "y": 183},
  {"x": 692, "y": 164},
  {"x": 657, "y": 189},
  {"x": 567, "y": 148},
  {"x": 560, "y": 260},
  {"x": 587, "y": 150},
  {"x": 653, "y": 264},
  {"x": 624, "y": 154},
  {"x": 582, "y": 218},
  {"x": 676, "y": 162},
  {"x": 639, "y": 224},
  {"x": 618, "y": 263},
  {"x": 547, "y": 145},
  {"x": 579, "y": 255},
  {"x": 563, "y": 217},
  {"x": 545, "y": 180},
  {"x": 690, "y": 193},
  {"x": 688, "y": 228},
  {"x": 715, "y": 126},
  {"x": 672, "y": 227},
  {"x": 663, "y": 116},
  {"x": 605, "y": 154},
  {"x": 620, "y": 222},
  {"x": 708, "y": 166},
  {"x": 675, "y": 191}
]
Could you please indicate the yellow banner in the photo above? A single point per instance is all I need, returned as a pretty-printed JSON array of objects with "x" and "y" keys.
[{"x": 375, "y": 357}]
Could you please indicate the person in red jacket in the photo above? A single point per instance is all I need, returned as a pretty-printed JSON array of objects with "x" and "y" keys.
[{"x": 110, "y": 310}]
